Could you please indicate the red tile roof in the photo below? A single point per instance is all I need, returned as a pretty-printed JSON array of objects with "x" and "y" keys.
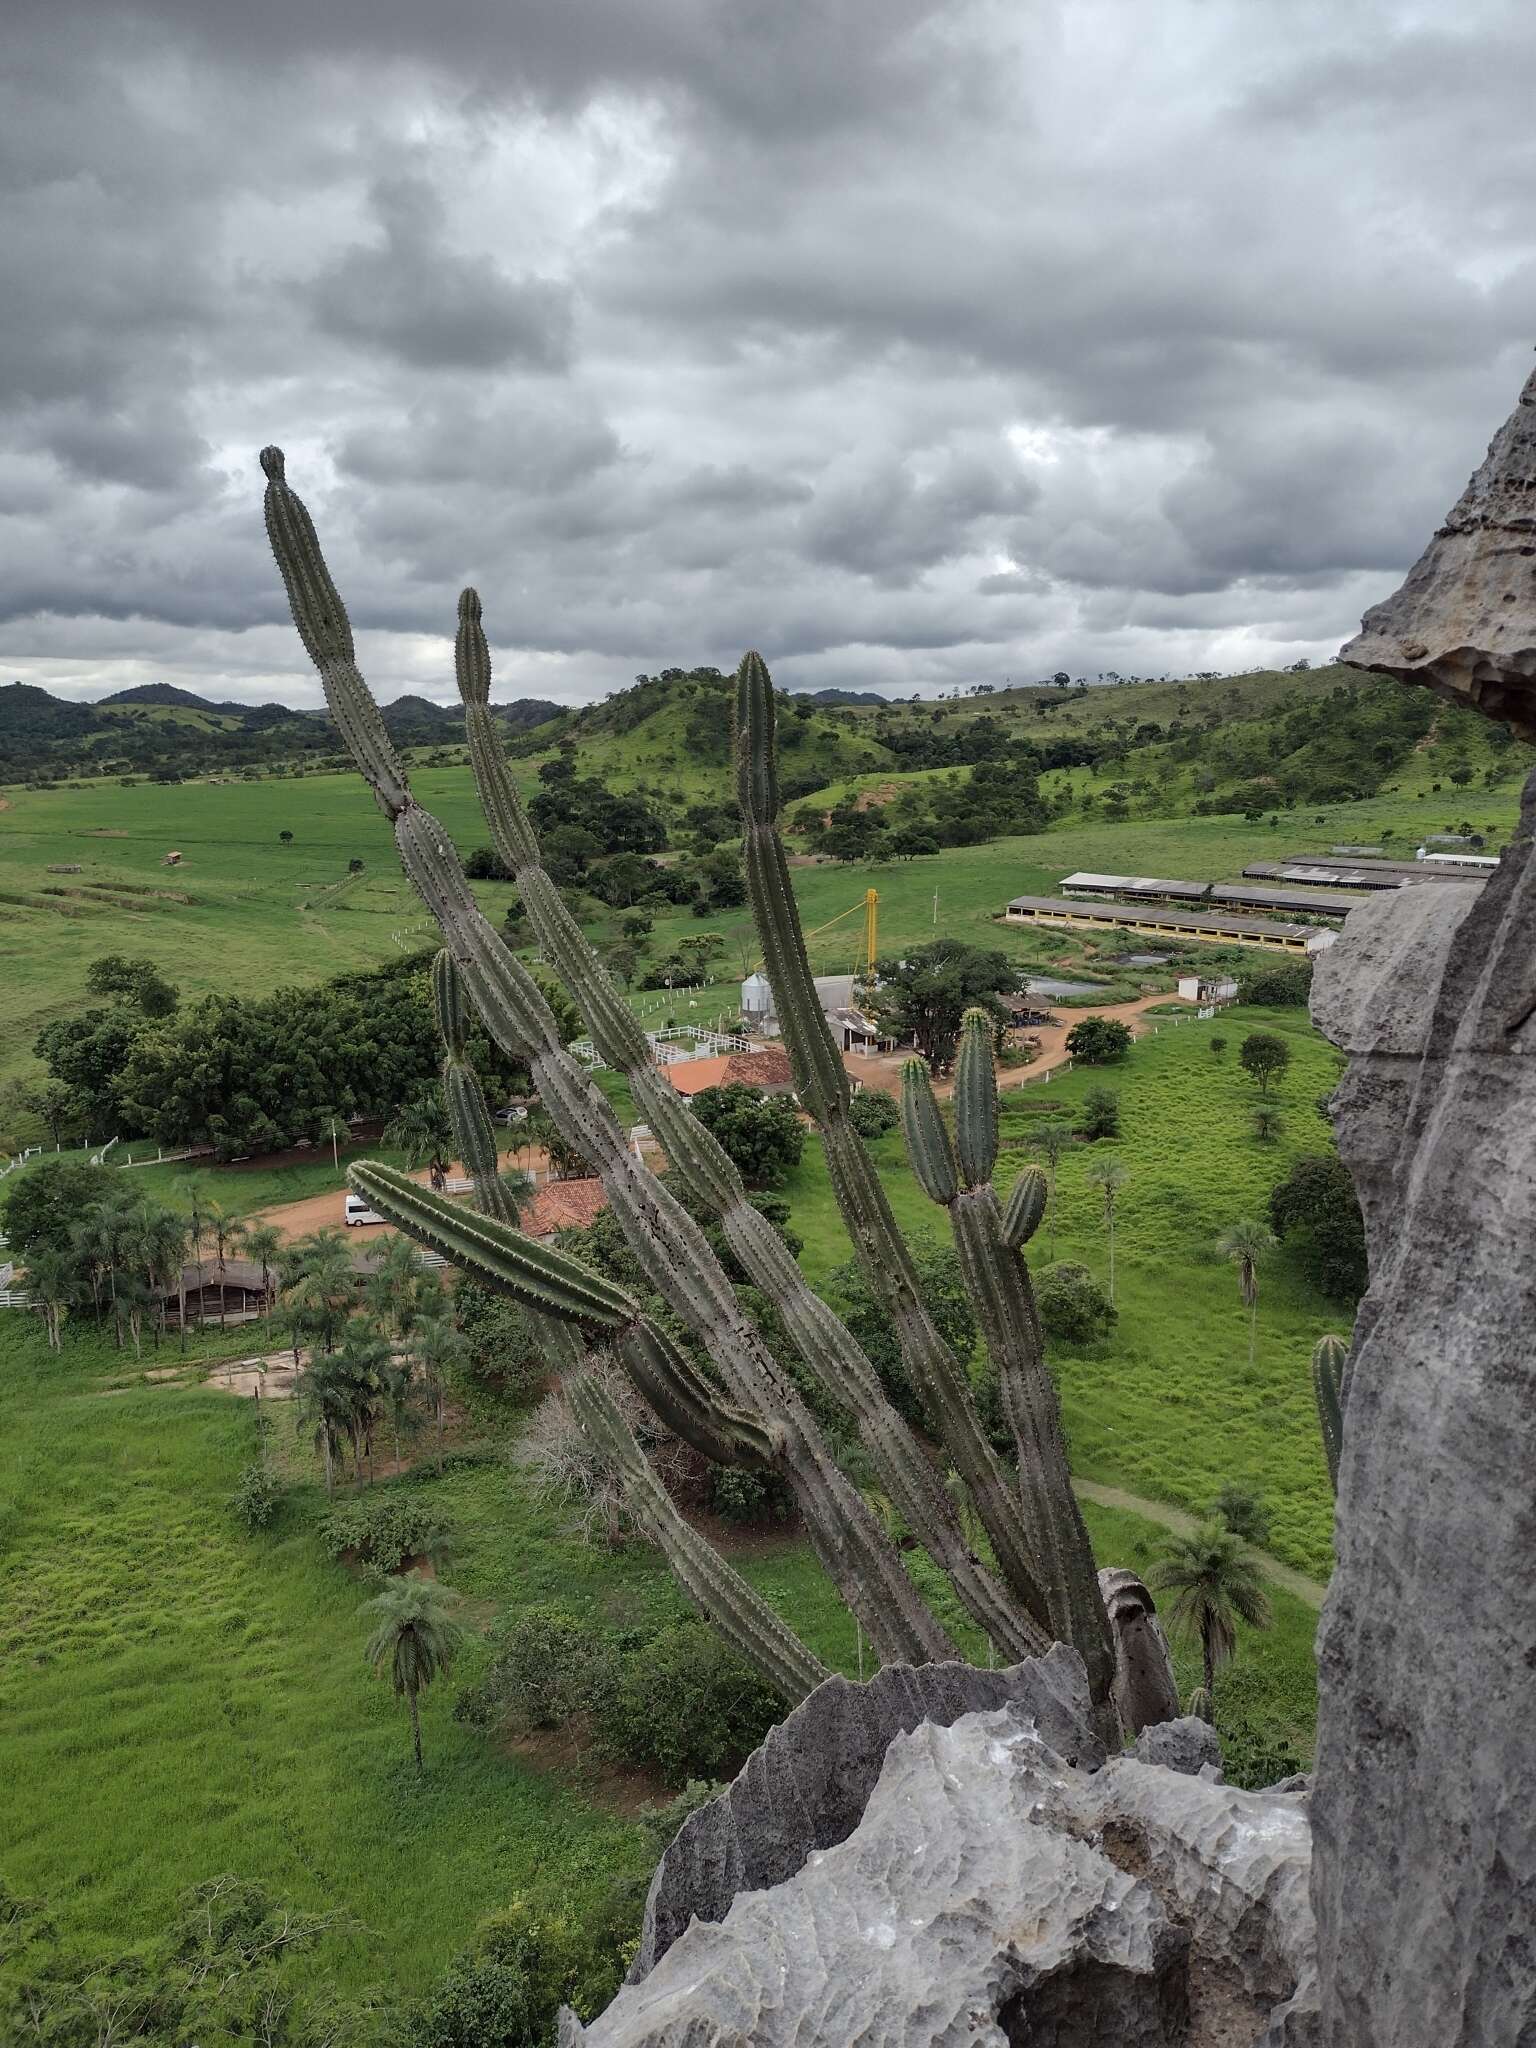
[
  {"x": 563, "y": 1205},
  {"x": 766, "y": 1069}
]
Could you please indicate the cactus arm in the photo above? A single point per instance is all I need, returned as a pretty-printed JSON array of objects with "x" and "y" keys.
[
  {"x": 722, "y": 1596},
  {"x": 939, "y": 1376},
  {"x": 1025, "y": 1208},
  {"x": 672, "y": 1249},
  {"x": 1330, "y": 1387},
  {"x": 690, "y": 1406},
  {"x": 998, "y": 1286},
  {"x": 976, "y": 1100},
  {"x": 473, "y": 1131},
  {"x": 698, "y": 1159}
]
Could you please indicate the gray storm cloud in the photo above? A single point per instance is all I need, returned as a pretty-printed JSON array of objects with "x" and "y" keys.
[{"x": 919, "y": 345}]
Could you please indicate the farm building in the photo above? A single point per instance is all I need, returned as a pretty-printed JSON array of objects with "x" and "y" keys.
[
  {"x": 1200, "y": 988},
  {"x": 766, "y": 1071},
  {"x": 562, "y": 1205},
  {"x": 1230, "y": 895},
  {"x": 1216, "y": 928},
  {"x": 1358, "y": 874}
]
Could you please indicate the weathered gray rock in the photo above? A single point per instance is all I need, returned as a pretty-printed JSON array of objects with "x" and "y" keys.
[
  {"x": 1145, "y": 1690},
  {"x": 1424, "y": 1796},
  {"x": 994, "y": 1894},
  {"x": 805, "y": 1788},
  {"x": 1187, "y": 1744},
  {"x": 1464, "y": 622}
]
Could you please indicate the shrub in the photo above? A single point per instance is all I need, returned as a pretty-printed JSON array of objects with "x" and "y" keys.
[
  {"x": 685, "y": 1705},
  {"x": 1314, "y": 1212},
  {"x": 1073, "y": 1307},
  {"x": 1097, "y": 1040},
  {"x": 1280, "y": 985},
  {"x": 385, "y": 1531},
  {"x": 257, "y": 1496},
  {"x": 1244, "y": 1513},
  {"x": 872, "y": 1113},
  {"x": 506, "y": 1989},
  {"x": 1099, "y": 1116},
  {"x": 738, "y": 1496},
  {"x": 762, "y": 1134},
  {"x": 1218, "y": 1045},
  {"x": 541, "y": 1676}
]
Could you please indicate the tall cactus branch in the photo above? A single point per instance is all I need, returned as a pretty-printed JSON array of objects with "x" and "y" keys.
[
  {"x": 822, "y": 1084},
  {"x": 725, "y": 1599},
  {"x": 989, "y": 1242},
  {"x": 670, "y": 1246},
  {"x": 699, "y": 1160}
]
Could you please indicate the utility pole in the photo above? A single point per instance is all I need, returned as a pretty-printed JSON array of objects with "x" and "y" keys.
[{"x": 935, "y": 908}]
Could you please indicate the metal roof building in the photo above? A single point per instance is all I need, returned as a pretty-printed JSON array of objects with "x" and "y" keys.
[
  {"x": 1211, "y": 927},
  {"x": 1358, "y": 874},
  {"x": 1231, "y": 895}
]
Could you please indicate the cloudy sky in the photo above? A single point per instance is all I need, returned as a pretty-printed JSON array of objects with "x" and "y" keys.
[{"x": 915, "y": 344}]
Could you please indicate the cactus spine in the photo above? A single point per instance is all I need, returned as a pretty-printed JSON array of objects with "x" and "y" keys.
[
  {"x": 823, "y": 1088},
  {"x": 670, "y": 1246},
  {"x": 698, "y": 1159},
  {"x": 742, "y": 1616},
  {"x": 1330, "y": 1386},
  {"x": 987, "y": 1241}
]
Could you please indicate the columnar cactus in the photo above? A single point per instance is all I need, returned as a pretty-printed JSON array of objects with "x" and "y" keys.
[
  {"x": 1330, "y": 1386},
  {"x": 670, "y": 1246},
  {"x": 989, "y": 1241},
  {"x": 752, "y": 1411}
]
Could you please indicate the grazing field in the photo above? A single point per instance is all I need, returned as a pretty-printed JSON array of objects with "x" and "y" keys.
[
  {"x": 1166, "y": 1406},
  {"x": 245, "y": 914},
  {"x": 181, "y": 1699}
]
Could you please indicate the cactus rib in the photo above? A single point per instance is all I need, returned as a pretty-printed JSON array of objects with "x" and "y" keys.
[
  {"x": 1330, "y": 1388},
  {"x": 976, "y": 1100}
]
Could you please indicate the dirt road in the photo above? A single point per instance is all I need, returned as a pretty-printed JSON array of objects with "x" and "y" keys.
[
  {"x": 884, "y": 1073},
  {"x": 1182, "y": 1524},
  {"x": 324, "y": 1212}
]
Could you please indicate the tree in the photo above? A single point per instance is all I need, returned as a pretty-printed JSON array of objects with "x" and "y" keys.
[
  {"x": 1265, "y": 1056},
  {"x": 1073, "y": 1306},
  {"x": 50, "y": 1102},
  {"x": 1246, "y": 1245},
  {"x": 437, "y": 1346},
  {"x": 53, "y": 1284},
  {"x": 226, "y": 1227},
  {"x": 264, "y": 1244},
  {"x": 136, "y": 981},
  {"x": 923, "y": 996},
  {"x": 1315, "y": 1213},
  {"x": 285, "y": 838},
  {"x": 393, "y": 1290},
  {"x": 1097, "y": 1040},
  {"x": 1243, "y": 1511},
  {"x": 1099, "y": 1116},
  {"x": 762, "y": 1134},
  {"x": 1215, "y": 1582},
  {"x": 45, "y": 1204},
  {"x": 1050, "y": 1140},
  {"x": 943, "y": 1293},
  {"x": 414, "y": 1641},
  {"x": 1217, "y": 1044},
  {"x": 322, "y": 1284},
  {"x": 1109, "y": 1177},
  {"x": 421, "y": 1130}
]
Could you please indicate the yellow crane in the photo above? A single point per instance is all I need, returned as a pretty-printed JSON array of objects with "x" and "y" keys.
[{"x": 871, "y": 910}]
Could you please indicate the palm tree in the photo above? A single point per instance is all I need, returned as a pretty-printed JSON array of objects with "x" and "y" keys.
[
  {"x": 414, "y": 1641},
  {"x": 189, "y": 1188},
  {"x": 1214, "y": 1579},
  {"x": 53, "y": 1282},
  {"x": 1051, "y": 1140},
  {"x": 397, "y": 1380},
  {"x": 436, "y": 1344},
  {"x": 264, "y": 1244},
  {"x": 323, "y": 1284},
  {"x": 421, "y": 1130},
  {"x": 394, "y": 1286},
  {"x": 1245, "y": 1244},
  {"x": 1109, "y": 1177},
  {"x": 323, "y": 1403},
  {"x": 227, "y": 1227},
  {"x": 359, "y": 1364}
]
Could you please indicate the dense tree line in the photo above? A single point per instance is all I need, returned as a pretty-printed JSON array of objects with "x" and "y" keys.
[{"x": 247, "y": 1075}]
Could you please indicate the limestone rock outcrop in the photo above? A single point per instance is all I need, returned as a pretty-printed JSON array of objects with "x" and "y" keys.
[
  {"x": 805, "y": 1788},
  {"x": 995, "y": 1893},
  {"x": 1424, "y": 1795},
  {"x": 1188, "y": 1744},
  {"x": 1464, "y": 621}
]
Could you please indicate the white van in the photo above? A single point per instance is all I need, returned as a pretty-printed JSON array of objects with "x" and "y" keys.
[{"x": 358, "y": 1211}]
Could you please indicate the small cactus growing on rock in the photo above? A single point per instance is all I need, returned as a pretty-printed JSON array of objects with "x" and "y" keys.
[
  {"x": 1038, "y": 1585},
  {"x": 1330, "y": 1385}
]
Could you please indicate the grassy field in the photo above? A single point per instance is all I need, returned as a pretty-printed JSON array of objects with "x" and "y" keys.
[
  {"x": 244, "y": 914},
  {"x": 180, "y": 1698}
]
